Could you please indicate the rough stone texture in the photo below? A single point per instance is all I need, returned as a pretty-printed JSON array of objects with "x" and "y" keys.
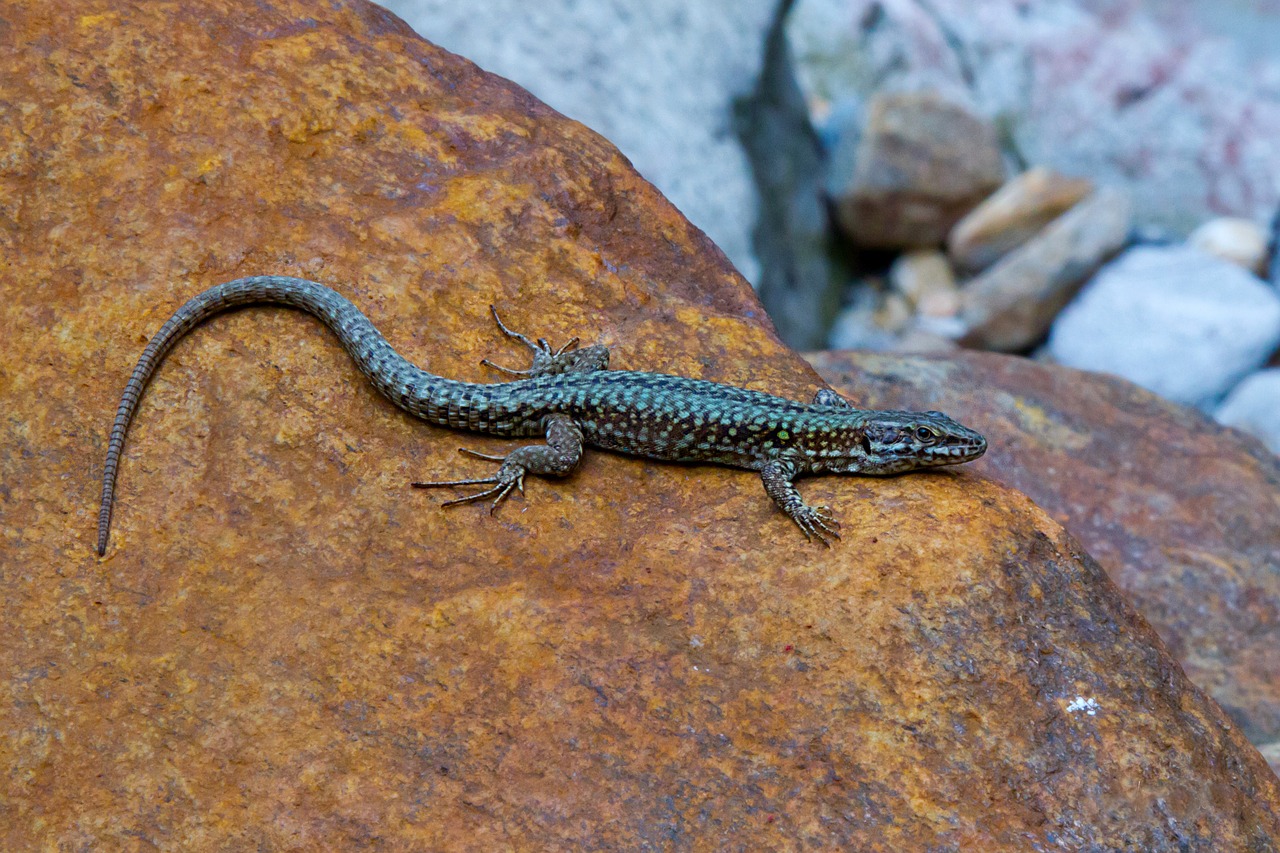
[
  {"x": 1254, "y": 406},
  {"x": 1172, "y": 319},
  {"x": 921, "y": 164},
  {"x": 1243, "y": 242},
  {"x": 658, "y": 78},
  {"x": 288, "y": 648},
  {"x": 1012, "y": 304},
  {"x": 1184, "y": 514},
  {"x": 1012, "y": 215},
  {"x": 1174, "y": 115}
]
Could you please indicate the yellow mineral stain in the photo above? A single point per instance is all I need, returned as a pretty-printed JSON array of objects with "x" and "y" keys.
[
  {"x": 1036, "y": 420},
  {"x": 86, "y": 22}
]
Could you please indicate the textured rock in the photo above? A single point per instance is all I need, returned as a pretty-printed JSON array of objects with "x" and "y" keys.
[
  {"x": 660, "y": 79},
  {"x": 1012, "y": 304},
  {"x": 1254, "y": 406},
  {"x": 1011, "y": 216},
  {"x": 1172, "y": 319},
  {"x": 1175, "y": 116},
  {"x": 1240, "y": 241},
  {"x": 920, "y": 165},
  {"x": 288, "y": 648},
  {"x": 1181, "y": 512}
]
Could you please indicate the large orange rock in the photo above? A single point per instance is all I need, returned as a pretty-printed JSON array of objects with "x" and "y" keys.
[
  {"x": 288, "y": 647},
  {"x": 1183, "y": 513}
]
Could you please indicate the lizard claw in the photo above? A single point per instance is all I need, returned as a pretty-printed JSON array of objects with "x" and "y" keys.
[
  {"x": 817, "y": 522},
  {"x": 510, "y": 476}
]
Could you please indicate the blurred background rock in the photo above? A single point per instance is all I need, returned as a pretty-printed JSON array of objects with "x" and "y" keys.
[{"x": 1089, "y": 182}]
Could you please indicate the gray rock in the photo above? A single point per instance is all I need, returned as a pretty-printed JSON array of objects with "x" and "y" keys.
[
  {"x": 1011, "y": 305},
  {"x": 1174, "y": 320},
  {"x": 1254, "y": 407},
  {"x": 921, "y": 164},
  {"x": 1157, "y": 106},
  {"x": 658, "y": 79}
]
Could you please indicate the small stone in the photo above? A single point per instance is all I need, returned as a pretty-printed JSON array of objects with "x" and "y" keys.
[
  {"x": 1243, "y": 242},
  {"x": 951, "y": 328},
  {"x": 1011, "y": 305},
  {"x": 920, "y": 164},
  {"x": 855, "y": 328},
  {"x": 939, "y": 304},
  {"x": 1173, "y": 319},
  {"x": 1012, "y": 215},
  {"x": 924, "y": 277},
  {"x": 894, "y": 313},
  {"x": 1253, "y": 406},
  {"x": 919, "y": 340}
]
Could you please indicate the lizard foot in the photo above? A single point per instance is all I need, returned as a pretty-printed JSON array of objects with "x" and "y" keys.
[
  {"x": 817, "y": 522},
  {"x": 549, "y": 362},
  {"x": 510, "y": 476}
]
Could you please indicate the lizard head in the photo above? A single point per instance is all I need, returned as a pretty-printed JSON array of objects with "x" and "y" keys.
[{"x": 893, "y": 442}]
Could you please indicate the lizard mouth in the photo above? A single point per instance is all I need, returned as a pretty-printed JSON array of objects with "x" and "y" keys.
[{"x": 964, "y": 452}]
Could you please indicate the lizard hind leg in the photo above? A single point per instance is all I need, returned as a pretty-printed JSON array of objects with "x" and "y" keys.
[
  {"x": 549, "y": 362},
  {"x": 557, "y": 458}
]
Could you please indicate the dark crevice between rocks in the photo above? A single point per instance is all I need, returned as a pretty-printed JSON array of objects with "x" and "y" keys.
[{"x": 800, "y": 269}]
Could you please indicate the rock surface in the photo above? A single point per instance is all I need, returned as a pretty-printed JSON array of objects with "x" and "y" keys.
[
  {"x": 1174, "y": 116},
  {"x": 921, "y": 164},
  {"x": 1254, "y": 406},
  {"x": 1010, "y": 217},
  {"x": 673, "y": 119},
  {"x": 288, "y": 648},
  {"x": 1012, "y": 304},
  {"x": 1182, "y": 513},
  {"x": 1174, "y": 320}
]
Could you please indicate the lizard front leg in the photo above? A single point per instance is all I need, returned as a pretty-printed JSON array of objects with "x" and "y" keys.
[
  {"x": 549, "y": 362},
  {"x": 813, "y": 520},
  {"x": 557, "y": 458}
]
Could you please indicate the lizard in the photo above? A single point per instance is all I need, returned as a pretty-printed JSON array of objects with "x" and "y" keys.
[{"x": 569, "y": 397}]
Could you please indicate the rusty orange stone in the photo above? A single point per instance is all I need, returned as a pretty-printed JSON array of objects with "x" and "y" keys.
[{"x": 287, "y": 647}]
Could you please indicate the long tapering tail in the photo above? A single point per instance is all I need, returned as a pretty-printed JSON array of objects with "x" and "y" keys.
[{"x": 375, "y": 357}]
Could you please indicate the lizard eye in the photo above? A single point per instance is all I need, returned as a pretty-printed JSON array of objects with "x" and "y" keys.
[{"x": 925, "y": 434}]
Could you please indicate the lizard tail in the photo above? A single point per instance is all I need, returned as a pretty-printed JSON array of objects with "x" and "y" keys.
[{"x": 375, "y": 357}]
